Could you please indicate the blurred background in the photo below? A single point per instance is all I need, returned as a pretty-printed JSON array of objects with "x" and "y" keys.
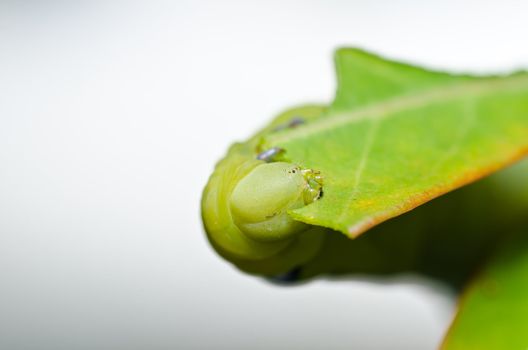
[{"x": 112, "y": 115}]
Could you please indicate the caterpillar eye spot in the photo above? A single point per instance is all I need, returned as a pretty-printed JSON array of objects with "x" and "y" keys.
[
  {"x": 296, "y": 121},
  {"x": 292, "y": 123},
  {"x": 289, "y": 277},
  {"x": 270, "y": 155}
]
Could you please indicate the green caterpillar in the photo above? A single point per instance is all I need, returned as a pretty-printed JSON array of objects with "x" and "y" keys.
[{"x": 246, "y": 202}]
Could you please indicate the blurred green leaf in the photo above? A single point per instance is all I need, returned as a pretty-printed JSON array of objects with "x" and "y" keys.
[{"x": 493, "y": 312}]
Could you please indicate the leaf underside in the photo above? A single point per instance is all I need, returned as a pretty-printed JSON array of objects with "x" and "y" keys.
[{"x": 397, "y": 136}]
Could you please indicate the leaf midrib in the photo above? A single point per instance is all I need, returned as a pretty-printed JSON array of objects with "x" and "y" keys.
[{"x": 385, "y": 108}]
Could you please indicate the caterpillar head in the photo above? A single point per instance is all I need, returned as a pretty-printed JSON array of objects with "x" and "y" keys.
[
  {"x": 261, "y": 200},
  {"x": 245, "y": 210}
]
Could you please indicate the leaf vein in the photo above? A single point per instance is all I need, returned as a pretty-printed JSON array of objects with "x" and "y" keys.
[
  {"x": 369, "y": 141},
  {"x": 400, "y": 103}
]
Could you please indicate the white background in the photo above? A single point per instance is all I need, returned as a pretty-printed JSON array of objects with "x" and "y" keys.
[{"x": 112, "y": 115}]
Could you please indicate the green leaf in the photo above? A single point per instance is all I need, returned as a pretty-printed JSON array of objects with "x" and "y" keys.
[
  {"x": 398, "y": 136},
  {"x": 446, "y": 239},
  {"x": 493, "y": 312}
]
